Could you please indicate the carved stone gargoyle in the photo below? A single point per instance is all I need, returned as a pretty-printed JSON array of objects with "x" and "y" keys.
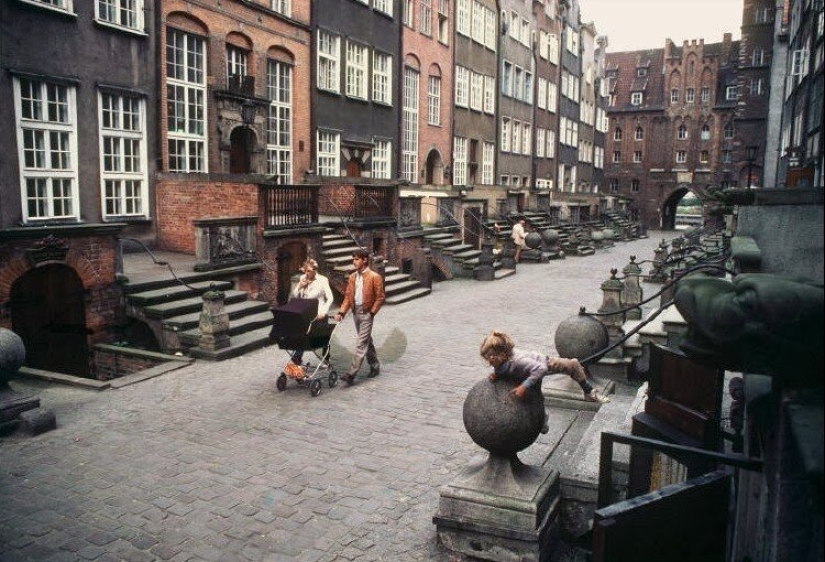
[{"x": 757, "y": 323}]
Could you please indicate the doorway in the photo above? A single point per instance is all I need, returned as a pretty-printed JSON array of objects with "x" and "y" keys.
[
  {"x": 241, "y": 146},
  {"x": 290, "y": 258},
  {"x": 48, "y": 312}
]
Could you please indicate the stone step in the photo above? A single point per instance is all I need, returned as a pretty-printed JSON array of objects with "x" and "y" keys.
[
  {"x": 239, "y": 345},
  {"x": 401, "y": 287},
  {"x": 235, "y": 311},
  {"x": 501, "y": 273},
  {"x": 339, "y": 251},
  {"x": 189, "y": 338},
  {"x": 408, "y": 295},
  {"x": 176, "y": 292},
  {"x": 337, "y": 243},
  {"x": 468, "y": 255},
  {"x": 188, "y": 305}
]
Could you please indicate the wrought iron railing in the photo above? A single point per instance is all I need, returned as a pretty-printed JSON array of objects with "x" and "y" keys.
[
  {"x": 286, "y": 206},
  {"x": 374, "y": 201}
]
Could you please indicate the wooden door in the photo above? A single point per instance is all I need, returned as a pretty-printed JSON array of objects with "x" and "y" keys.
[
  {"x": 48, "y": 312},
  {"x": 472, "y": 226}
]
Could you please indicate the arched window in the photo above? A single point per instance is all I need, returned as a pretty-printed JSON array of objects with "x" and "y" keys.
[
  {"x": 617, "y": 134},
  {"x": 705, "y": 132},
  {"x": 640, "y": 133},
  {"x": 682, "y": 133}
]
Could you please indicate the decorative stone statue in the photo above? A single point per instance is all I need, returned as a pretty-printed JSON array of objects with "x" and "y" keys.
[{"x": 758, "y": 323}]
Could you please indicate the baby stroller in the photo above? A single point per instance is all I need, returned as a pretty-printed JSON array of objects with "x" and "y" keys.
[{"x": 294, "y": 328}]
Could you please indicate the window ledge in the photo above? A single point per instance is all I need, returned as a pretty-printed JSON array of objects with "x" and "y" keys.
[
  {"x": 120, "y": 28},
  {"x": 48, "y": 8}
]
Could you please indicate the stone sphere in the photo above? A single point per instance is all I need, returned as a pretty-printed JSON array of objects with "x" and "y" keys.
[
  {"x": 550, "y": 236},
  {"x": 498, "y": 421},
  {"x": 12, "y": 353},
  {"x": 597, "y": 236},
  {"x": 580, "y": 336},
  {"x": 533, "y": 240},
  {"x": 608, "y": 234}
]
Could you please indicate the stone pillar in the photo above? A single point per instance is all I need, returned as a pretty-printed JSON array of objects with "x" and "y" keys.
[
  {"x": 379, "y": 265},
  {"x": 612, "y": 302},
  {"x": 214, "y": 322},
  {"x": 508, "y": 254},
  {"x": 632, "y": 291},
  {"x": 659, "y": 255},
  {"x": 485, "y": 271},
  {"x": 423, "y": 266}
]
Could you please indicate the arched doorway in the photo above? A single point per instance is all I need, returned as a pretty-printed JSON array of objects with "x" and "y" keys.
[
  {"x": 241, "y": 146},
  {"x": 48, "y": 312},
  {"x": 670, "y": 206},
  {"x": 434, "y": 169},
  {"x": 291, "y": 257}
]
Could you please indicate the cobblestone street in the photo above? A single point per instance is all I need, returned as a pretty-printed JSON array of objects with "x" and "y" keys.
[{"x": 211, "y": 462}]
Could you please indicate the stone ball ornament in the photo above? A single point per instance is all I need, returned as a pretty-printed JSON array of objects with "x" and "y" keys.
[
  {"x": 580, "y": 336},
  {"x": 498, "y": 421},
  {"x": 12, "y": 353},
  {"x": 533, "y": 240},
  {"x": 550, "y": 236},
  {"x": 597, "y": 236}
]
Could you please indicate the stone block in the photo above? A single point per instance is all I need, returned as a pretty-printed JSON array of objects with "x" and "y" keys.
[{"x": 37, "y": 421}]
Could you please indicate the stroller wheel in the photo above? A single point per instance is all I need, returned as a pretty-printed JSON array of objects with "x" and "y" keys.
[
  {"x": 315, "y": 388},
  {"x": 281, "y": 384},
  {"x": 332, "y": 379}
]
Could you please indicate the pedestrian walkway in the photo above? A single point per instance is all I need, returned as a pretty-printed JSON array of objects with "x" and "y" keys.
[{"x": 211, "y": 462}]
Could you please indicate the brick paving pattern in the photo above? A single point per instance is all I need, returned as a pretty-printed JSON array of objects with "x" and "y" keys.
[{"x": 211, "y": 462}]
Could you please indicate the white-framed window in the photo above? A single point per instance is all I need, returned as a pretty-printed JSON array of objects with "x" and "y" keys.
[
  {"x": 490, "y": 33},
  {"x": 127, "y": 14},
  {"x": 613, "y": 185},
  {"x": 758, "y": 56},
  {"x": 186, "y": 102},
  {"x": 329, "y": 153},
  {"x": 434, "y": 100},
  {"x": 236, "y": 62},
  {"x": 681, "y": 156},
  {"x": 727, "y": 133},
  {"x": 488, "y": 162},
  {"x": 617, "y": 156},
  {"x": 357, "y": 70},
  {"x": 46, "y": 114},
  {"x": 690, "y": 95},
  {"x": 704, "y": 156},
  {"x": 639, "y": 134},
  {"x": 477, "y": 23},
  {"x": 527, "y": 94},
  {"x": 382, "y": 78},
  {"x": 283, "y": 7},
  {"x": 525, "y": 32},
  {"x": 462, "y": 86},
  {"x": 409, "y": 123},
  {"x": 598, "y": 157},
  {"x": 553, "y": 49},
  {"x": 551, "y": 144},
  {"x": 329, "y": 61},
  {"x": 674, "y": 95},
  {"x": 443, "y": 22},
  {"x": 58, "y": 5},
  {"x": 705, "y": 94},
  {"x": 425, "y": 17},
  {"x": 409, "y": 13},
  {"x": 279, "y": 122},
  {"x": 705, "y": 132},
  {"x": 489, "y": 95},
  {"x": 516, "y": 140},
  {"x": 459, "y": 161},
  {"x": 462, "y": 17},
  {"x": 515, "y": 26},
  {"x": 552, "y": 97},
  {"x": 731, "y": 93},
  {"x": 636, "y": 98},
  {"x": 682, "y": 133},
  {"x": 381, "y": 159},
  {"x": 123, "y": 172},
  {"x": 527, "y": 137},
  {"x": 505, "y": 134},
  {"x": 541, "y": 102},
  {"x": 637, "y": 156},
  {"x": 617, "y": 134},
  {"x": 476, "y": 91},
  {"x": 507, "y": 79},
  {"x": 518, "y": 83},
  {"x": 634, "y": 186},
  {"x": 756, "y": 87},
  {"x": 384, "y": 6},
  {"x": 541, "y": 139}
]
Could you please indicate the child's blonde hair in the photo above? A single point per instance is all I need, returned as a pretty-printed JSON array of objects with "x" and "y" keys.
[{"x": 497, "y": 343}]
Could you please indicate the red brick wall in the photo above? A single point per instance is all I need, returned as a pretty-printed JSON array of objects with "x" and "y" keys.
[
  {"x": 180, "y": 201},
  {"x": 109, "y": 364}
]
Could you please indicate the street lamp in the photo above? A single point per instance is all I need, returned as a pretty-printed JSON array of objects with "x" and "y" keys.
[{"x": 750, "y": 158}]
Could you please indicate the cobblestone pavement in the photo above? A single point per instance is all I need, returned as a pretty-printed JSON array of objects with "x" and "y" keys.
[{"x": 211, "y": 462}]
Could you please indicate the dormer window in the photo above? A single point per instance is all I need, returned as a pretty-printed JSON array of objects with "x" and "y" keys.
[
  {"x": 641, "y": 71},
  {"x": 636, "y": 98}
]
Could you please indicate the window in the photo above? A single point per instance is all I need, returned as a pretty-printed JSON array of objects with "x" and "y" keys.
[
  {"x": 634, "y": 186},
  {"x": 408, "y": 13},
  {"x": 381, "y": 164},
  {"x": 637, "y": 156},
  {"x": 527, "y": 138},
  {"x": 541, "y": 102},
  {"x": 705, "y": 94},
  {"x": 489, "y": 95},
  {"x": 490, "y": 34},
  {"x": 123, "y": 154},
  {"x": 236, "y": 63},
  {"x": 704, "y": 156},
  {"x": 705, "y": 134},
  {"x": 641, "y": 71},
  {"x": 60, "y": 5},
  {"x": 462, "y": 79},
  {"x": 731, "y": 93},
  {"x": 640, "y": 134},
  {"x": 329, "y": 149},
  {"x": 636, "y": 98},
  {"x": 488, "y": 160},
  {"x": 356, "y": 70},
  {"x": 409, "y": 121},
  {"x": 681, "y": 156},
  {"x": 617, "y": 156},
  {"x": 614, "y": 185},
  {"x": 382, "y": 78},
  {"x": 462, "y": 17},
  {"x": 690, "y": 95},
  {"x": 477, "y": 23},
  {"x": 551, "y": 144},
  {"x": 279, "y": 123},
  {"x": 552, "y": 97},
  {"x": 127, "y": 14},
  {"x": 756, "y": 87},
  {"x": 434, "y": 100},
  {"x": 425, "y": 17},
  {"x": 329, "y": 59},
  {"x": 47, "y": 148},
  {"x": 505, "y": 134},
  {"x": 516, "y": 138},
  {"x": 459, "y": 161},
  {"x": 728, "y": 133},
  {"x": 476, "y": 91},
  {"x": 282, "y": 7},
  {"x": 757, "y": 56},
  {"x": 727, "y": 157},
  {"x": 674, "y": 95},
  {"x": 541, "y": 136},
  {"x": 617, "y": 134},
  {"x": 682, "y": 133},
  {"x": 507, "y": 79},
  {"x": 443, "y": 22},
  {"x": 186, "y": 101}
]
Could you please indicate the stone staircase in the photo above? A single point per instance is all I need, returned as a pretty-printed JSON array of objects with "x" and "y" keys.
[
  {"x": 459, "y": 258},
  {"x": 172, "y": 311},
  {"x": 336, "y": 253}
]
